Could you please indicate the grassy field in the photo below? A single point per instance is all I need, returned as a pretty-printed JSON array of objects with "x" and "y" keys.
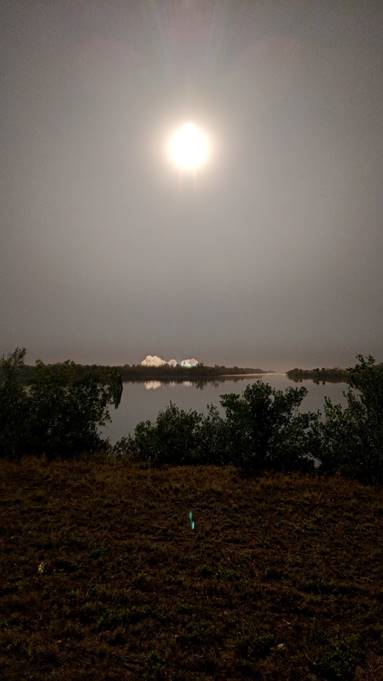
[{"x": 104, "y": 579}]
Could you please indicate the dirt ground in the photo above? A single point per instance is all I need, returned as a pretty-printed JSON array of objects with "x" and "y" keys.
[{"x": 103, "y": 579}]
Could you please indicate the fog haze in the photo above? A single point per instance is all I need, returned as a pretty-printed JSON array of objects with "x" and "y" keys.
[{"x": 271, "y": 257}]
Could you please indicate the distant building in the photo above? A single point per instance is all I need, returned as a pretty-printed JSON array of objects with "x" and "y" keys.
[
  {"x": 189, "y": 363},
  {"x": 153, "y": 361}
]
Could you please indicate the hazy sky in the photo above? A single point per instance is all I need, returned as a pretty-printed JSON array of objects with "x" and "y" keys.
[{"x": 271, "y": 257}]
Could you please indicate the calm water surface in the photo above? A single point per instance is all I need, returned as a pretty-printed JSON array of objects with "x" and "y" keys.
[{"x": 143, "y": 400}]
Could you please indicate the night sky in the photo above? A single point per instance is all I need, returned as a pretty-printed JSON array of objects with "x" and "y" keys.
[{"x": 271, "y": 256}]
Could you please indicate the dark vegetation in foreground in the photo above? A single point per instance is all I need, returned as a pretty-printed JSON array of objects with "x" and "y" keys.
[
  {"x": 104, "y": 580},
  {"x": 59, "y": 412}
]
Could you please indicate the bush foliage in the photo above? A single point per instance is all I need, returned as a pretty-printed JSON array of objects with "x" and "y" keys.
[
  {"x": 57, "y": 414},
  {"x": 350, "y": 439},
  {"x": 180, "y": 437},
  {"x": 265, "y": 430}
]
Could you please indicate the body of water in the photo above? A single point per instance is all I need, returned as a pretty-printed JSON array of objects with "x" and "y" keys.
[{"x": 143, "y": 400}]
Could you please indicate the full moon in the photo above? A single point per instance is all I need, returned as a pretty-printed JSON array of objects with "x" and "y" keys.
[{"x": 188, "y": 147}]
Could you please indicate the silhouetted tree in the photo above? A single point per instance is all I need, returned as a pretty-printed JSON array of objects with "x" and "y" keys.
[
  {"x": 351, "y": 438},
  {"x": 14, "y": 405},
  {"x": 58, "y": 413},
  {"x": 265, "y": 430}
]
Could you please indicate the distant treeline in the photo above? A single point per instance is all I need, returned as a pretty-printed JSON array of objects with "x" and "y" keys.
[
  {"x": 320, "y": 375},
  {"x": 137, "y": 372},
  {"x": 99, "y": 373}
]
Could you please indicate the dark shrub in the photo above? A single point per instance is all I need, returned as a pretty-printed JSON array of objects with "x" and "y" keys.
[
  {"x": 213, "y": 438},
  {"x": 57, "y": 414},
  {"x": 265, "y": 430},
  {"x": 14, "y": 405},
  {"x": 351, "y": 438},
  {"x": 178, "y": 437}
]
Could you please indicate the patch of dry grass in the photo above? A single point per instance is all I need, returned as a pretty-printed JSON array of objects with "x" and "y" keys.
[{"x": 282, "y": 578}]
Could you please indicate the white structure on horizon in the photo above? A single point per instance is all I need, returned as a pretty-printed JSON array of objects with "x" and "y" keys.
[
  {"x": 189, "y": 363},
  {"x": 153, "y": 361}
]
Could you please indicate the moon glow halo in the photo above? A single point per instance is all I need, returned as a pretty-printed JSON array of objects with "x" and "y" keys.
[{"x": 188, "y": 148}]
